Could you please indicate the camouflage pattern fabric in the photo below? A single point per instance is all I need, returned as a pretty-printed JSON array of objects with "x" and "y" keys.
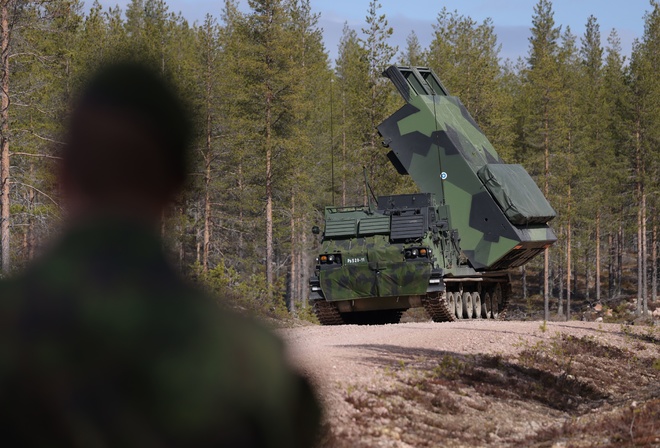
[
  {"x": 364, "y": 280},
  {"x": 101, "y": 344},
  {"x": 372, "y": 267}
]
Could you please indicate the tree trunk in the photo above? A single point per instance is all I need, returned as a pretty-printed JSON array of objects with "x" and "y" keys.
[
  {"x": 640, "y": 267},
  {"x": 293, "y": 277},
  {"x": 270, "y": 97},
  {"x": 299, "y": 261},
  {"x": 241, "y": 193},
  {"x": 30, "y": 229},
  {"x": 206, "y": 239},
  {"x": 546, "y": 252},
  {"x": 619, "y": 258},
  {"x": 654, "y": 261},
  {"x": 304, "y": 271},
  {"x": 569, "y": 231},
  {"x": 343, "y": 150},
  {"x": 4, "y": 137},
  {"x": 610, "y": 265},
  {"x": 206, "y": 236},
  {"x": 269, "y": 196},
  {"x": 560, "y": 302},
  {"x": 587, "y": 274},
  {"x": 597, "y": 256},
  {"x": 645, "y": 277}
]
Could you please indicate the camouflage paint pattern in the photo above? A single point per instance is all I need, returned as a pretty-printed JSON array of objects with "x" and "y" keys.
[
  {"x": 379, "y": 275},
  {"x": 371, "y": 265},
  {"x": 434, "y": 139}
]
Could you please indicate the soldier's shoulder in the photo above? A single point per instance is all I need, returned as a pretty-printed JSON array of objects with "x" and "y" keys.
[{"x": 248, "y": 329}]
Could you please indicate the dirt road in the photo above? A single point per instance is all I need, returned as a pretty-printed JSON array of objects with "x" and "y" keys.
[{"x": 482, "y": 383}]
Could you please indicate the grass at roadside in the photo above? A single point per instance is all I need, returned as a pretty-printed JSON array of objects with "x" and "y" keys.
[{"x": 577, "y": 391}]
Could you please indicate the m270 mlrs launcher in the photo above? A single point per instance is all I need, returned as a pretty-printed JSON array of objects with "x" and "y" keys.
[{"x": 448, "y": 248}]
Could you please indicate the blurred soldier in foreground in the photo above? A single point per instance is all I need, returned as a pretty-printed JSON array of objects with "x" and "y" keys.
[{"x": 101, "y": 343}]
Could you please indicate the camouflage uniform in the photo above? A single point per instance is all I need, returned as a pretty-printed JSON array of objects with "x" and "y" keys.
[{"x": 101, "y": 344}]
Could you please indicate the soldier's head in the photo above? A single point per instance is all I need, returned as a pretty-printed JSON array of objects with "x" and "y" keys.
[{"x": 126, "y": 148}]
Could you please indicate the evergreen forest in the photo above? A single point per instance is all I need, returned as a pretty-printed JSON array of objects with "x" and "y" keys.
[{"x": 283, "y": 130}]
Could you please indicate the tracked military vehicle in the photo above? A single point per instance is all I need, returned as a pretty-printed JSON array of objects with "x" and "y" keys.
[{"x": 448, "y": 248}]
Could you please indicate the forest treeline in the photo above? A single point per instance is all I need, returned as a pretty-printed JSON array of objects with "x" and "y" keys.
[{"x": 283, "y": 131}]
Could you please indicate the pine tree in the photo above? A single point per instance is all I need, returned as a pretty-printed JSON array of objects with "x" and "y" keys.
[
  {"x": 352, "y": 74},
  {"x": 208, "y": 50},
  {"x": 543, "y": 88},
  {"x": 644, "y": 66},
  {"x": 7, "y": 18},
  {"x": 272, "y": 78},
  {"x": 36, "y": 37},
  {"x": 379, "y": 55},
  {"x": 45, "y": 70},
  {"x": 309, "y": 136},
  {"x": 413, "y": 55},
  {"x": 598, "y": 152},
  {"x": 567, "y": 160},
  {"x": 466, "y": 55},
  {"x": 617, "y": 109}
]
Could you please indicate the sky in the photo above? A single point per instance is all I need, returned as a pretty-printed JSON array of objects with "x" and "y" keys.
[{"x": 511, "y": 18}]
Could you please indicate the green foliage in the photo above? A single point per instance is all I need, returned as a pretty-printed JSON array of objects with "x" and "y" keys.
[
  {"x": 656, "y": 364},
  {"x": 544, "y": 326},
  {"x": 465, "y": 54},
  {"x": 450, "y": 367},
  {"x": 307, "y": 314},
  {"x": 245, "y": 293},
  {"x": 414, "y": 54}
]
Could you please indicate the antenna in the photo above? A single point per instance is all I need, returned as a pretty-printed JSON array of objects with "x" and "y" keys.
[
  {"x": 368, "y": 189},
  {"x": 332, "y": 140}
]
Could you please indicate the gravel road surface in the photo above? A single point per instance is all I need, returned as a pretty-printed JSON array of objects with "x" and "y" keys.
[{"x": 430, "y": 384}]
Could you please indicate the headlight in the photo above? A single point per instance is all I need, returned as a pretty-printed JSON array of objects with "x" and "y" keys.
[
  {"x": 414, "y": 252},
  {"x": 330, "y": 259}
]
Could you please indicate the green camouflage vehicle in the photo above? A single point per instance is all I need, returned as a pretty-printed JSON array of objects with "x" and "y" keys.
[{"x": 449, "y": 248}]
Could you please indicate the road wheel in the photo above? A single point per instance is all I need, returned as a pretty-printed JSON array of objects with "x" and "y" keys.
[
  {"x": 451, "y": 303},
  {"x": 468, "y": 308},
  {"x": 486, "y": 306},
  {"x": 476, "y": 303},
  {"x": 459, "y": 305}
]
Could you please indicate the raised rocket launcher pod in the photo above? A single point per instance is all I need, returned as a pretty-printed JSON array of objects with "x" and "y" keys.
[
  {"x": 474, "y": 219},
  {"x": 498, "y": 209}
]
